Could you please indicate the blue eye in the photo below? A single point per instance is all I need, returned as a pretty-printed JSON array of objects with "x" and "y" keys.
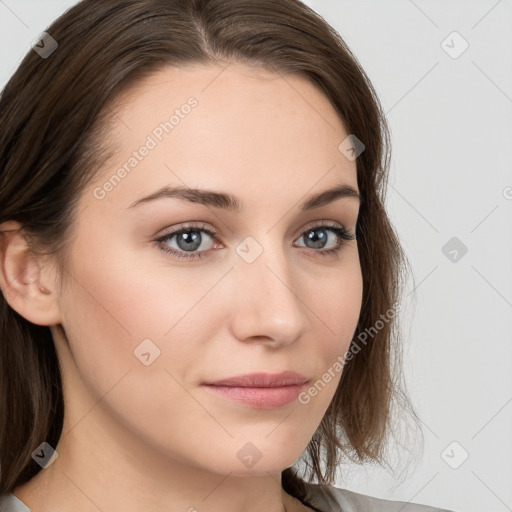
[
  {"x": 189, "y": 238},
  {"x": 341, "y": 234}
]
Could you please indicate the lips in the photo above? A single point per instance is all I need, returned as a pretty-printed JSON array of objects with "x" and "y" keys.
[
  {"x": 260, "y": 390},
  {"x": 262, "y": 380}
]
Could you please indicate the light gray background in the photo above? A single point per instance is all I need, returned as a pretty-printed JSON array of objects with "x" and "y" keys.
[{"x": 451, "y": 176}]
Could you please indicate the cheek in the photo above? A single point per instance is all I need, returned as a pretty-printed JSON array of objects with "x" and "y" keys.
[
  {"x": 126, "y": 299},
  {"x": 119, "y": 310},
  {"x": 337, "y": 306},
  {"x": 336, "y": 300},
  {"x": 125, "y": 312}
]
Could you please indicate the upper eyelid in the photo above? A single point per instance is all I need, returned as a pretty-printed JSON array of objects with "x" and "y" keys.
[
  {"x": 214, "y": 233},
  {"x": 200, "y": 226}
]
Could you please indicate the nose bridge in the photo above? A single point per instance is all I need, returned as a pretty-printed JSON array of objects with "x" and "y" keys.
[{"x": 269, "y": 302}]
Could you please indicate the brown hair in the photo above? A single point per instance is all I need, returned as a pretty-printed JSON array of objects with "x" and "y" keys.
[{"x": 53, "y": 112}]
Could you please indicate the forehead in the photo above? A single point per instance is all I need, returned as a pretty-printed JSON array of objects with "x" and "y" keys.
[
  {"x": 223, "y": 125},
  {"x": 229, "y": 86}
]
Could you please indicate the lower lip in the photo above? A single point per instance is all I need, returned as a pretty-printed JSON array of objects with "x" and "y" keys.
[{"x": 260, "y": 398}]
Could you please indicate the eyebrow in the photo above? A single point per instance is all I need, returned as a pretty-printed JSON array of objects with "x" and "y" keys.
[{"x": 232, "y": 203}]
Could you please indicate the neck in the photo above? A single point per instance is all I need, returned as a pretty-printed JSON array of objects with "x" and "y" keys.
[{"x": 90, "y": 474}]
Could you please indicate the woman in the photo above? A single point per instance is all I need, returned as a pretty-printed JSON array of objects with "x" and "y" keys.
[{"x": 193, "y": 248}]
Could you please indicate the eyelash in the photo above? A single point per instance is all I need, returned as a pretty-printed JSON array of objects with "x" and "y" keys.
[{"x": 343, "y": 236}]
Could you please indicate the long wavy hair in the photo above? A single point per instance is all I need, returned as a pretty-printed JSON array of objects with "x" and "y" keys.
[{"x": 54, "y": 113}]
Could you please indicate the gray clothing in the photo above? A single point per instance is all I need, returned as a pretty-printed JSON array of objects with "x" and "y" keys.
[
  {"x": 323, "y": 498},
  {"x": 326, "y": 498}
]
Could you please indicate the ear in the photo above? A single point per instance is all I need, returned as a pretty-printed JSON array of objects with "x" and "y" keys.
[{"x": 28, "y": 285}]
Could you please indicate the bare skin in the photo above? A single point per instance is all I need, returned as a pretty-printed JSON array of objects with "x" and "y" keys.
[{"x": 152, "y": 438}]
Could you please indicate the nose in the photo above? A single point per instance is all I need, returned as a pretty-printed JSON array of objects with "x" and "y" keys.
[{"x": 269, "y": 304}]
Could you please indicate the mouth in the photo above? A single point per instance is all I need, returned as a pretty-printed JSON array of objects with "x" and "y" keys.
[{"x": 260, "y": 390}]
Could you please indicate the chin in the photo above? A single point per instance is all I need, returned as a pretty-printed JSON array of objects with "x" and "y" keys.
[
  {"x": 257, "y": 464},
  {"x": 258, "y": 470}
]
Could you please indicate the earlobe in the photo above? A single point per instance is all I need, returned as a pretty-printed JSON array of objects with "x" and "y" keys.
[{"x": 21, "y": 277}]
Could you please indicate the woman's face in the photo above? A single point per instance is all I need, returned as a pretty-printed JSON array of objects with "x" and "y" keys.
[{"x": 147, "y": 328}]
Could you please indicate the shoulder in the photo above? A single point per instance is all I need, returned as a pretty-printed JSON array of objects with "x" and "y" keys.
[
  {"x": 9, "y": 503},
  {"x": 328, "y": 498}
]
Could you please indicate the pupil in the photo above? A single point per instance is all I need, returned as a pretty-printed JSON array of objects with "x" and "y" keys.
[
  {"x": 190, "y": 237},
  {"x": 317, "y": 240}
]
